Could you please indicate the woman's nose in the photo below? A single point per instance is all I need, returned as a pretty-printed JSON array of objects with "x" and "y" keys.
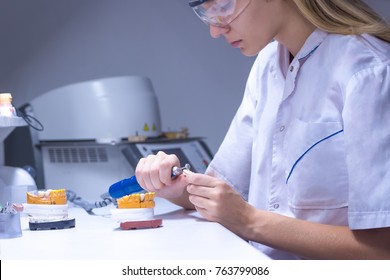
[{"x": 216, "y": 31}]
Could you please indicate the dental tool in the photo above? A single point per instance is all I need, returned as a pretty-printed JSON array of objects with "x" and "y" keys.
[{"x": 130, "y": 185}]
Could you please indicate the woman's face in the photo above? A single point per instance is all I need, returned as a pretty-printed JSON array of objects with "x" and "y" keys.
[{"x": 259, "y": 23}]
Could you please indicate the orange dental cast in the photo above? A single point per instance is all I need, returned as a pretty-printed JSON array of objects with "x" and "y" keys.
[
  {"x": 144, "y": 200},
  {"x": 51, "y": 197}
]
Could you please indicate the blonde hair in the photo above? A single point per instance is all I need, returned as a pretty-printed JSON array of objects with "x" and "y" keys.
[{"x": 344, "y": 17}]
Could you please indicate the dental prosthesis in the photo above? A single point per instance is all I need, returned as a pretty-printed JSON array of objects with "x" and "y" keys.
[
  {"x": 136, "y": 211},
  {"x": 48, "y": 210},
  {"x": 47, "y": 197}
]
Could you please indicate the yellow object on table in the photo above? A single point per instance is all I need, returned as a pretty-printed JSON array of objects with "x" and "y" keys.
[
  {"x": 138, "y": 200},
  {"x": 57, "y": 197}
]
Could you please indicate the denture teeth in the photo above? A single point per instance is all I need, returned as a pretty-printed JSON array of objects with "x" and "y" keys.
[{"x": 137, "y": 200}]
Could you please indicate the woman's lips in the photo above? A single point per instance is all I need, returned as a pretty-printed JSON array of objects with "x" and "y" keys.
[{"x": 235, "y": 44}]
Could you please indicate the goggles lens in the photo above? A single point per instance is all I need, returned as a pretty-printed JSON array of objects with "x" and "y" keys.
[{"x": 218, "y": 12}]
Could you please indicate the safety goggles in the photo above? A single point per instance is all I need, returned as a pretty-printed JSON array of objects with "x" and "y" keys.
[{"x": 218, "y": 12}]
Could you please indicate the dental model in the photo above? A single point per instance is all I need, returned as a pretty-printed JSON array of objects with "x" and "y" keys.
[
  {"x": 135, "y": 207},
  {"x": 136, "y": 211},
  {"x": 48, "y": 210},
  {"x": 47, "y": 197}
]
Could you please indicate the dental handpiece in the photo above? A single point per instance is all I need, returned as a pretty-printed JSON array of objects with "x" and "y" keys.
[{"x": 130, "y": 185}]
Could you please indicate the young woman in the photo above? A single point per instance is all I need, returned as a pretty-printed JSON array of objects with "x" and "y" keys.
[{"x": 304, "y": 170}]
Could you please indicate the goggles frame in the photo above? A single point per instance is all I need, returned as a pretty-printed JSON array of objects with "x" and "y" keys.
[
  {"x": 218, "y": 20},
  {"x": 195, "y": 3}
]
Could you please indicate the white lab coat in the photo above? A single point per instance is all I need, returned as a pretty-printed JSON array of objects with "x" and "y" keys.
[{"x": 311, "y": 139}]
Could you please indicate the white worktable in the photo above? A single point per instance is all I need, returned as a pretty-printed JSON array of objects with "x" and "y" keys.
[{"x": 184, "y": 235}]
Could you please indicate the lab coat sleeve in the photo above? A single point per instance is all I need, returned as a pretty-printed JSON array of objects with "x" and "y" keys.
[
  {"x": 366, "y": 117},
  {"x": 232, "y": 162}
]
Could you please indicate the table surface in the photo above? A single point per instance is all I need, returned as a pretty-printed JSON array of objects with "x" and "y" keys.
[{"x": 183, "y": 235}]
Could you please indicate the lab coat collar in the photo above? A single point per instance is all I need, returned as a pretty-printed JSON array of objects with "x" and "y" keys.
[
  {"x": 290, "y": 70},
  {"x": 282, "y": 62},
  {"x": 312, "y": 43}
]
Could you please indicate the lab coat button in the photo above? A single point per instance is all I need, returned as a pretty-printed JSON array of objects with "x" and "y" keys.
[
  {"x": 282, "y": 128},
  {"x": 291, "y": 68},
  {"x": 276, "y": 206}
]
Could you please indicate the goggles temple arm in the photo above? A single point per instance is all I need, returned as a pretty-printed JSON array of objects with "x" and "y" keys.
[{"x": 196, "y": 3}]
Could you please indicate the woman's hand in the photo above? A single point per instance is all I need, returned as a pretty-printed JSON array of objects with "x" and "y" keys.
[
  {"x": 153, "y": 173},
  {"x": 217, "y": 201}
]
